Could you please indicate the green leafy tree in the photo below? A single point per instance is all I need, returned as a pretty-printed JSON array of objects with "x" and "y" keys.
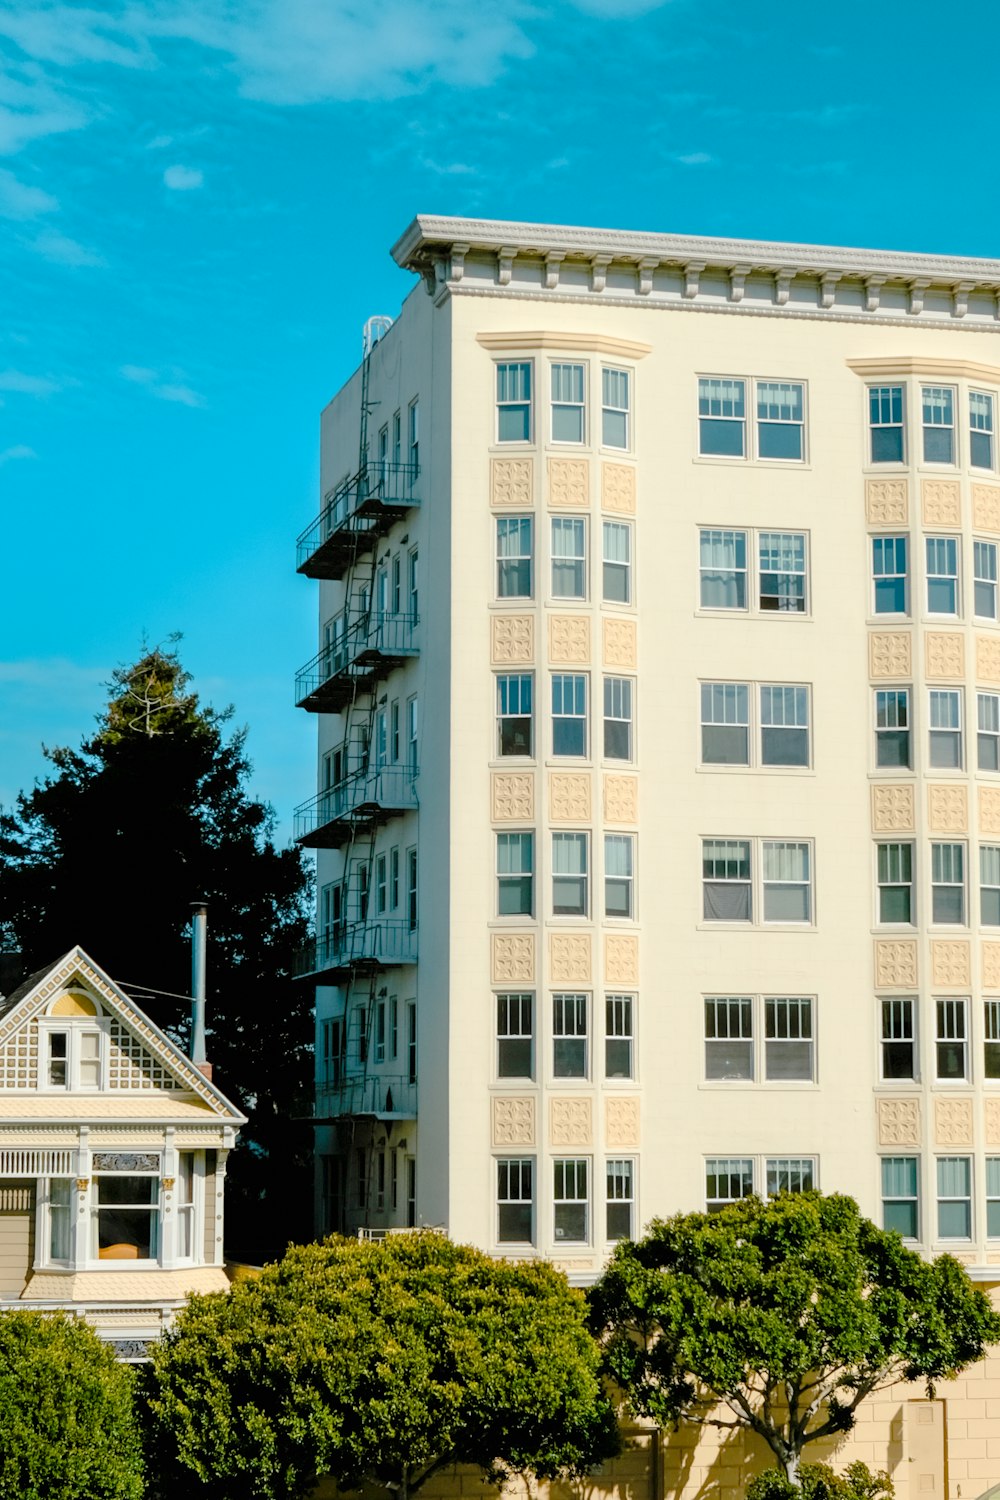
[
  {"x": 150, "y": 814},
  {"x": 781, "y": 1318},
  {"x": 379, "y": 1363},
  {"x": 819, "y": 1482},
  {"x": 67, "y": 1421}
]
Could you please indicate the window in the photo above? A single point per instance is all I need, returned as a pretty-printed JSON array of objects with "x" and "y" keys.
[
  {"x": 615, "y": 408},
  {"x": 567, "y": 403},
  {"x": 393, "y": 1027},
  {"x": 951, "y": 1044},
  {"x": 991, "y": 1035},
  {"x": 411, "y": 1041},
  {"x": 514, "y": 557},
  {"x": 59, "y": 1204},
  {"x": 885, "y": 419},
  {"x": 360, "y": 1035},
  {"x": 381, "y": 883},
  {"x": 397, "y": 585},
  {"x": 397, "y": 439},
  {"x": 727, "y": 1180},
  {"x": 729, "y": 1038},
  {"x": 946, "y": 728},
  {"x": 948, "y": 883},
  {"x": 125, "y": 1218},
  {"x": 780, "y": 420},
  {"x": 413, "y": 585},
  {"x": 981, "y": 429},
  {"x": 333, "y": 1052},
  {"x": 616, "y": 580},
  {"x": 722, "y": 418},
  {"x": 515, "y": 874},
  {"x": 726, "y": 878},
  {"x": 620, "y": 1176},
  {"x": 954, "y": 1192},
  {"x": 789, "y": 1174},
  {"x": 411, "y": 889},
  {"x": 569, "y": 714},
  {"x": 569, "y": 1036},
  {"x": 899, "y": 1043},
  {"x": 619, "y": 884},
  {"x": 899, "y": 1196},
  {"x": 942, "y": 575},
  {"x": 784, "y": 726},
  {"x": 723, "y": 570},
  {"x": 787, "y": 882},
  {"x": 618, "y": 718},
  {"x": 993, "y": 1197},
  {"x": 394, "y": 878},
  {"x": 515, "y": 1201},
  {"x": 788, "y": 1040},
  {"x": 989, "y": 885},
  {"x": 71, "y": 1056},
  {"x": 411, "y": 736},
  {"x": 782, "y": 561},
  {"x": 984, "y": 559},
  {"x": 895, "y": 883},
  {"x": 725, "y": 723},
  {"x": 569, "y": 875},
  {"x": 892, "y": 727},
  {"x": 394, "y": 731},
  {"x": 380, "y": 1032},
  {"x": 619, "y": 1036},
  {"x": 413, "y": 438},
  {"x": 938, "y": 410},
  {"x": 571, "y": 1202},
  {"x": 569, "y": 558},
  {"x": 514, "y": 403},
  {"x": 889, "y": 575},
  {"x": 988, "y": 735},
  {"x": 514, "y": 717},
  {"x": 515, "y": 1036}
]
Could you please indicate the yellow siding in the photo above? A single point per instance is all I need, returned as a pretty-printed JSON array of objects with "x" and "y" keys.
[{"x": 17, "y": 1235}]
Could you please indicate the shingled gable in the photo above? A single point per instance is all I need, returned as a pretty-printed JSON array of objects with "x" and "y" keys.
[{"x": 76, "y": 968}]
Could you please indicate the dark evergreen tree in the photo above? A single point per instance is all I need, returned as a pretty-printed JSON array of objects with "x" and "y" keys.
[{"x": 149, "y": 815}]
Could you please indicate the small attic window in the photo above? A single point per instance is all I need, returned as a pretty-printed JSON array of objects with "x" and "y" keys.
[{"x": 72, "y": 1055}]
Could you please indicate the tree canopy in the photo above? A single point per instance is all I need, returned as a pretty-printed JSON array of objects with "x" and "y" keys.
[
  {"x": 781, "y": 1318},
  {"x": 67, "y": 1422},
  {"x": 382, "y": 1363},
  {"x": 150, "y": 814}
]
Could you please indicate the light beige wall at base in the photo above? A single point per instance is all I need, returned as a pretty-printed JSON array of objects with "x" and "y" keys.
[{"x": 17, "y": 1236}]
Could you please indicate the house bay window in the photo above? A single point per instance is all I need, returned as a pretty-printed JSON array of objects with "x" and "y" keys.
[
  {"x": 128, "y": 1218},
  {"x": 125, "y": 1207}
]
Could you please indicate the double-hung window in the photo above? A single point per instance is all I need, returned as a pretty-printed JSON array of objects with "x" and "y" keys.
[
  {"x": 787, "y": 881},
  {"x": 899, "y": 1038},
  {"x": 782, "y": 564},
  {"x": 942, "y": 575},
  {"x": 515, "y": 1036},
  {"x": 732, "y": 1025},
  {"x": 514, "y": 402},
  {"x": 515, "y": 874},
  {"x": 981, "y": 431},
  {"x": 621, "y": 1199},
  {"x": 984, "y": 558},
  {"x": 948, "y": 883},
  {"x": 515, "y": 1201},
  {"x": 727, "y": 1180},
  {"x": 615, "y": 408},
  {"x": 780, "y": 420},
  {"x": 889, "y": 574},
  {"x": 71, "y": 1055},
  {"x": 900, "y": 1200},
  {"x": 722, "y": 417},
  {"x": 618, "y": 718},
  {"x": 729, "y": 1051},
  {"x": 413, "y": 439},
  {"x": 58, "y": 1201},
  {"x": 617, "y": 565},
  {"x": 571, "y": 1201},
  {"x": 569, "y": 557},
  {"x": 514, "y": 716},
  {"x": 569, "y": 714},
  {"x": 619, "y": 875},
  {"x": 569, "y": 875},
  {"x": 567, "y": 403},
  {"x": 989, "y": 885},
  {"x": 779, "y": 410},
  {"x": 946, "y": 728},
  {"x": 938, "y": 415},
  {"x": 885, "y": 424},
  {"x": 569, "y": 1036},
  {"x": 788, "y": 1038},
  {"x": 726, "y": 880},
  {"x": 895, "y": 883},
  {"x": 993, "y": 1197},
  {"x": 789, "y": 1174},
  {"x": 954, "y": 1198},
  {"x": 514, "y": 563},
  {"x": 723, "y": 569},
  {"x": 725, "y": 723},
  {"x": 784, "y": 725},
  {"x": 951, "y": 1046},
  {"x": 892, "y": 728},
  {"x": 125, "y": 1216},
  {"x": 619, "y": 1036},
  {"x": 991, "y": 1038}
]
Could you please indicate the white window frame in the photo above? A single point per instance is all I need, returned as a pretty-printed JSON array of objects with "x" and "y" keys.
[
  {"x": 910, "y": 1200},
  {"x": 889, "y": 878},
  {"x": 984, "y": 578},
  {"x": 728, "y": 1169},
  {"x": 574, "y": 562},
  {"x": 573, "y": 1007},
  {"x": 756, "y": 1173},
  {"x": 946, "y": 856},
  {"x": 575, "y": 718},
  {"x": 505, "y": 692},
  {"x": 988, "y": 731},
  {"x": 892, "y": 697},
  {"x": 938, "y": 549},
  {"x": 619, "y": 1188},
  {"x": 616, "y": 691},
  {"x": 622, "y": 566},
  {"x": 612, "y": 411},
  {"x": 732, "y": 1022},
  {"x": 514, "y": 562},
  {"x": 951, "y": 1028},
  {"x": 519, "y": 880},
  {"x": 75, "y": 1028},
  {"x": 620, "y": 882},
  {"x": 518, "y": 402},
  {"x": 755, "y": 389},
  {"x": 888, "y": 397},
  {"x": 504, "y": 1164},
  {"x": 510, "y": 1007},
  {"x": 980, "y": 429},
  {"x": 991, "y": 1040},
  {"x": 899, "y": 1026},
  {"x": 885, "y": 566},
  {"x": 567, "y": 1172},
  {"x": 619, "y": 1010},
  {"x": 940, "y": 397},
  {"x": 741, "y": 706},
  {"x": 578, "y": 407},
  {"x": 754, "y": 542},
  {"x": 989, "y": 885},
  {"x": 943, "y": 1198},
  {"x": 951, "y": 734}
]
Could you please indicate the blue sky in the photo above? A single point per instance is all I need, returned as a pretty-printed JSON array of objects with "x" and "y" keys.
[{"x": 197, "y": 199}]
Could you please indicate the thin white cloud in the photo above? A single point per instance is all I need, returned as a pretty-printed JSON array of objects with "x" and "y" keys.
[
  {"x": 28, "y": 385},
  {"x": 19, "y": 200},
  {"x": 19, "y": 450},
  {"x": 160, "y": 143},
  {"x": 183, "y": 179},
  {"x": 66, "y": 252},
  {"x": 170, "y": 389},
  {"x": 694, "y": 159},
  {"x": 138, "y": 374},
  {"x": 31, "y": 107}
]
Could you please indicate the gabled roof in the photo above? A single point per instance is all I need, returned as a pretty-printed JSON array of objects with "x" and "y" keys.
[{"x": 77, "y": 968}]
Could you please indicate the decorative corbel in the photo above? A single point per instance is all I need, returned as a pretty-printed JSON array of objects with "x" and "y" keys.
[
  {"x": 873, "y": 288},
  {"x": 82, "y": 1184},
  {"x": 783, "y": 284},
  {"x": 917, "y": 289},
  {"x": 960, "y": 294},
  {"x": 646, "y": 269},
  {"x": 505, "y": 264},
  {"x": 828, "y": 284},
  {"x": 168, "y": 1184},
  {"x": 692, "y": 277},
  {"x": 428, "y": 274},
  {"x": 738, "y": 281},
  {"x": 599, "y": 272},
  {"x": 553, "y": 265},
  {"x": 458, "y": 254},
  {"x": 440, "y": 273}
]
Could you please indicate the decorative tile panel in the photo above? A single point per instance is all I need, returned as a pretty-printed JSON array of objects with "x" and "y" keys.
[
  {"x": 942, "y": 502},
  {"x": 621, "y": 1120},
  {"x": 618, "y": 487},
  {"x": 569, "y": 638},
  {"x": 569, "y": 797},
  {"x": 991, "y": 1121},
  {"x": 948, "y": 808},
  {"x": 571, "y": 1122},
  {"x": 951, "y": 962},
  {"x": 569, "y": 957},
  {"x": 889, "y": 653},
  {"x": 619, "y": 643},
  {"x": 899, "y": 1122},
  {"x": 513, "y": 1121},
  {"x": 952, "y": 1122},
  {"x": 886, "y": 502},
  {"x": 989, "y": 809},
  {"x": 987, "y": 658},
  {"x": 944, "y": 654},
  {"x": 989, "y": 954},
  {"x": 896, "y": 964},
  {"x": 513, "y": 958},
  {"x": 892, "y": 809},
  {"x": 511, "y": 482},
  {"x": 621, "y": 799},
  {"x": 513, "y": 639},
  {"x": 513, "y": 796},
  {"x": 621, "y": 958},
  {"x": 569, "y": 482},
  {"x": 986, "y": 507}
]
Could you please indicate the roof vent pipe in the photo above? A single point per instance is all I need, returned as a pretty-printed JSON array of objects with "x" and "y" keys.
[{"x": 199, "y": 944}]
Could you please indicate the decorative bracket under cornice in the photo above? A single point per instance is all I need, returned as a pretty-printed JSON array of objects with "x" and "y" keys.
[
  {"x": 873, "y": 288},
  {"x": 692, "y": 278},
  {"x": 599, "y": 272},
  {"x": 738, "y": 281},
  {"x": 828, "y": 284},
  {"x": 553, "y": 265},
  {"x": 918, "y": 288},
  {"x": 505, "y": 263},
  {"x": 960, "y": 292},
  {"x": 646, "y": 269},
  {"x": 458, "y": 254},
  {"x": 783, "y": 284}
]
